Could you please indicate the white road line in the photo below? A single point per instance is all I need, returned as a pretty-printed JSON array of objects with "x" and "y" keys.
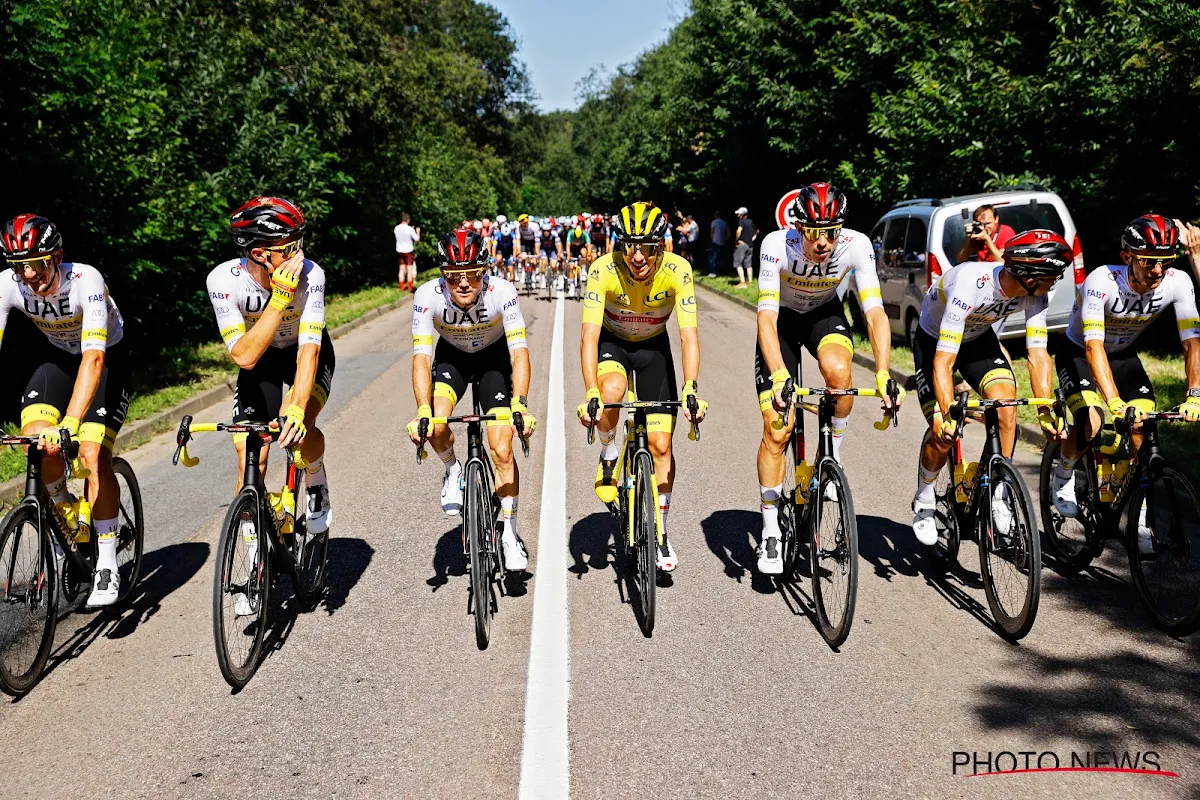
[{"x": 545, "y": 766}]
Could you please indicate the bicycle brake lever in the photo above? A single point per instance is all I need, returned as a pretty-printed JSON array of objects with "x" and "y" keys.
[{"x": 519, "y": 424}]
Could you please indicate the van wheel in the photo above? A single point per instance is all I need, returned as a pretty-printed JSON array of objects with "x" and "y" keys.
[{"x": 910, "y": 331}]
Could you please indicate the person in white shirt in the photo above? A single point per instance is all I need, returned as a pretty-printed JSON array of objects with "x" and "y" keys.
[{"x": 406, "y": 237}]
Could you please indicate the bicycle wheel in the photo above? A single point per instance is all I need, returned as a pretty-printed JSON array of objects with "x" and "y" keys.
[
  {"x": 131, "y": 534},
  {"x": 476, "y": 510},
  {"x": 27, "y": 614},
  {"x": 947, "y": 517},
  {"x": 645, "y": 539},
  {"x": 310, "y": 552},
  {"x": 1167, "y": 579},
  {"x": 834, "y": 543},
  {"x": 243, "y": 578},
  {"x": 788, "y": 517},
  {"x": 1067, "y": 538},
  {"x": 1010, "y": 552}
]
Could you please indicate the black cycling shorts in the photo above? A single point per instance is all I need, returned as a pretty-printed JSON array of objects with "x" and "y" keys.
[
  {"x": 259, "y": 393},
  {"x": 1079, "y": 385},
  {"x": 980, "y": 362},
  {"x": 653, "y": 369},
  {"x": 824, "y": 325},
  {"x": 489, "y": 370},
  {"x": 577, "y": 250},
  {"x": 549, "y": 252},
  {"x": 49, "y": 390}
]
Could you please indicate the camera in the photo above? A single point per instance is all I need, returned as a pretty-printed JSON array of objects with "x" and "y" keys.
[{"x": 976, "y": 228}]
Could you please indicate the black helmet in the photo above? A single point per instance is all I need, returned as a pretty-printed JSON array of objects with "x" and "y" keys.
[
  {"x": 264, "y": 220},
  {"x": 1151, "y": 235},
  {"x": 819, "y": 205},
  {"x": 1038, "y": 253},
  {"x": 29, "y": 235},
  {"x": 462, "y": 248}
]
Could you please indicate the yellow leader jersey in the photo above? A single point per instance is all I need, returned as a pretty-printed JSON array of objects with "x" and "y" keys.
[{"x": 637, "y": 310}]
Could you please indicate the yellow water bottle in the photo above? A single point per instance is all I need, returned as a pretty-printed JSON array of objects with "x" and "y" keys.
[
  {"x": 804, "y": 473},
  {"x": 1104, "y": 474},
  {"x": 84, "y": 534}
]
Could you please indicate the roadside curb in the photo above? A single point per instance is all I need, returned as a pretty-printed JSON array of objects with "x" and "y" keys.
[
  {"x": 1029, "y": 434},
  {"x": 131, "y": 437}
]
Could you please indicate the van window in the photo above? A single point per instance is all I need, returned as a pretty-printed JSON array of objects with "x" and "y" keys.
[
  {"x": 893, "y": 243},
  {"x": 1020, "y": 216},
  {"x": 915, "y": 243}
]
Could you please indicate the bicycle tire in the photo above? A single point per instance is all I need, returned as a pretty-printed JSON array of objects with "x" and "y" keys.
[
  {"x": 1022, "y": 550},
  {"x": 131, "y": 531},
  {"x": 948, "y": 516},
  {"x": 645, "y": 540},
  {"x": 842, "y": 562},
  {"x": 788, "y": 540},
  {"x": 1067, "y": 538},
  {"x": 310, "y": 553},
  {"x": 476, "y": 508},
  {"x": 237, "y": 667},
  {"x": 28, "y": 615},
  {"x": 1163, "y": 569}
]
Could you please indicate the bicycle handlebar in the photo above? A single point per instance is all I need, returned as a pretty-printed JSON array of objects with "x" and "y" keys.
[
  {"x": 187, "y": 428},
  {"x": 595, "y": 406},
  {"x": 69, "y": 446},
  {"x": 791, "y": 393},
  {"x": 501, "y": 416}
]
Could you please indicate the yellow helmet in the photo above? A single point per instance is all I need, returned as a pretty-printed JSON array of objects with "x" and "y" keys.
[
  {"x": 523, "y": 218},
  {"x": 641, "y": 223}
]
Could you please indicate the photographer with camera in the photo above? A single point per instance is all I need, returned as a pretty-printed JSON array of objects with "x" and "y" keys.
[{"x": 986, "y": 237}]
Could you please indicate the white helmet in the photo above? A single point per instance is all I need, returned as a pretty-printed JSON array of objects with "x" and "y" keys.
[
  {"x": 477, "y": 225},
  {"x": 501, "y": 219}
]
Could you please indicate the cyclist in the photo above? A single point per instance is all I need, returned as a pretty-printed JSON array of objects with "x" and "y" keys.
[
  {"x": 270, "y": 308},
  {"x": 579, "y": 243},
  {"x": 528, "y": 237},
  {"x": 551, "y": 250},
  {"x": 955, "y": 332},
  {"x": 82, "y": 383},
  {"x": 1098, "y": 365},
  {"x": 598, "y": 235},
  {"x": 798, "y": 306},
  {"x": 631, "y": 294},
  {"x": 502, "y": 245},
  {"x": 481, "y": 343}
]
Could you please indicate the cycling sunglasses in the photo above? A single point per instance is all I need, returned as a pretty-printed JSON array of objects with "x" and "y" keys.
[
  {"x": 813, "y": 234},
  {"x": 288, "y": 250},
  {"x": 649, "y": 250},
  {"x": 1149, "y": 262},
  {"x": 456, "y": 275},
  {"x": 39, "y": 263}
]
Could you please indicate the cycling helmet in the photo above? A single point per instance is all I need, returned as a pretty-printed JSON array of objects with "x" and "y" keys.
[
  {"x": 819, "y": 205},
  {"x": 1038, "y": 253},
  {"x": 29, "y": 235},
  {"x": 597, "y": 219},
  {"x": 462, "y": 248},
  {"x": 641, "y": 223},
  {"x": 523, "y": 218},
  {"x": 501, "y": 219},
  {"x": 264, "y": 220},
  {"x": 545, "y": 226},
  {"x": 1150, "y": 235},
  {"x": 476, "y": 225}
]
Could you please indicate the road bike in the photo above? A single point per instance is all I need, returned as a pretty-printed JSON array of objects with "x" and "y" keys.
[
  {"x": 525, "y": 266},
  {"x": 264, "y": 533},
  {"x": 34, "y": 540},
  {"x": 969, "y": 497},
  {"x": 640, "y": 532},
  {"x": 816, "y": 510},
  {"x": 575, "y": 272},
  {"x": 1118, "y": 494},
  {"x": 480, "y": 515}
]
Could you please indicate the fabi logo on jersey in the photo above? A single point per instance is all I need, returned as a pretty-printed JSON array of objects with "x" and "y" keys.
[
  {"x": 95, "y": 298},
  {"x": 1095, "y": 293},
  {"x": 960, "y": 303},
  {"x": 770, "y": 259},
  {"x": 219, "y": 295},
  {"x": 510, "y": 304}
]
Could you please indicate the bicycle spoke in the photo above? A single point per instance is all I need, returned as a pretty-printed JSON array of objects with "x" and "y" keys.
[
  {"x": 1168, "y": 578},
  {"x": 834, "y": 556},
  {"x": 1010, "y": 554}
]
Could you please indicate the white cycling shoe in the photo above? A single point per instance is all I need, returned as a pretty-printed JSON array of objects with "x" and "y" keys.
[
  {"x": 770, "y": 554},
  {"x": 924, "y": 522},
  {"x": 241, "y": 606},
  {"x": 1062, "y": 491},
  {"x": 1002, "y": 516},
  {"x": 516, "y": 558},
  {"x": 320, "y": 513},
  {"x": 1145, "y": 535},
  {"x": 451, "y": 491},
  {"x": 665, "y": 558},
  {"x": 106, "y": 585}
]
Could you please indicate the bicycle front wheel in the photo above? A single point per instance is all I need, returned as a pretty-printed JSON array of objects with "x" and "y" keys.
[
  {"x": 1163, "y": 539},
  {"x": 834, "y": 543},
  {"x": 646, "y": 538},
  {"x": 241, "y": 591},
  {"x": 131, "y": 533},
  {"x": 27, "y": 615},
  {"x": 479, "y": 519},
  {"x": 1010, "y": 551}
]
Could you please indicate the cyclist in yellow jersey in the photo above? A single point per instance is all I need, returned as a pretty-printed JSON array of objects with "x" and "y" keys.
[{"x": 631, "y": 293}]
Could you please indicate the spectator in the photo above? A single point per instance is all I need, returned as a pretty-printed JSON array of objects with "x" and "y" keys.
[
  {"x": 693, "y": 237},
  {"x": 718, "y": 232},
  {"x": 1189, "y": 237},
  {"x": 681, "y": 236},
  {"x": 406, "y": 237},
  {"x": 743, "y": 250},
  {"x": 986, "y": 243}
]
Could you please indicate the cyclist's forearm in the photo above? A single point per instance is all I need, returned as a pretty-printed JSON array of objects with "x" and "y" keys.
[
  {"x": 306, "y": 374},
  {"x": 1191, "y": 362},
  {"x": 589, "y": 355},
  {"x": 87, "y": 382},
  {"x": 422, "y": 380},
  {"x": 943, "y": 379},
  {"x": 520, "y": 371},
  {"x": 1041, "y": 372},
  {"x": 689, "y": 345},
  {"x": 879, "y": 330},
  {"x": 1101, "y": 371},
  {"x": 768, "y": 341},
  {"x": 250, "y": 348}
]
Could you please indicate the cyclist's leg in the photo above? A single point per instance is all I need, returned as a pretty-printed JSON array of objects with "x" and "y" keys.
[
  {"x": 452, "y": 369},
  {"x": 654, "y": 374},
  {"x": 985, "y": 367},
  {"x": 1135, "y": 386},
  {"x": 829, "y": 342},
  {"x": 1083, "y": 401},
  {"x": 495, "y": 384},
  {"x": 612, "y": 373},
  {"x": 313, "y": 448},
  {"x": 774, "y": 439},
  {"x": 42, "y": 404},
  {"x": 934, "y": 453},
  {"x": 257, "y": 398}
]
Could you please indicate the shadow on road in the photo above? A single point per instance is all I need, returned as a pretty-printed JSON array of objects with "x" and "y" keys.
[
  {"x": 729, "y": 535},
  {"x": 348, "y": 560},
  {"x": 590, "y": 543},
  {"x": 890, "y": 547},
  {"x": 448, "y": 558}
]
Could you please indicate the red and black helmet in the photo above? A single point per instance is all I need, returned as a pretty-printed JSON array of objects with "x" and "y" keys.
[
  {"x": 29, "y": 235},
  {"x": 1150, "y": 235},
  {"x": 819, "y": 205},
  {"x": 462, "y": 248},
  {"x": 264, "y": 220},
  {"x": 1038, "y": 253}
]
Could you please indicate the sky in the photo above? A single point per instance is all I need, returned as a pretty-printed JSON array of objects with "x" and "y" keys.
[{"x": 560, "y": 42}]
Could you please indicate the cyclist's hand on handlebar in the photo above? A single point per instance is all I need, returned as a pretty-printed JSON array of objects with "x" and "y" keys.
[
  {"x": 944, "y": 428},
  {"x": 1118, "y": 408},
  {"x": 584, "y": 410},
  {"x": 778, "y": 379},
  {"x": 51, "y": 440},
  {"x": 528, "y": 421},
  {"x": 1053, "y": 425},
  {"x": 294, "y": 430},
  {"x": 1191, "y": 409},
  {"x": 689, "y": 390},
  {"x": 882, "y": 377},
  {"x": 414, "y": 427}
]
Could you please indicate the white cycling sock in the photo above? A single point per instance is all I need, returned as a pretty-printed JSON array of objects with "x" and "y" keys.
[
  {"x": 58, "y": 491},
  {"x": 315, "y": 474},
  {"x": 250, "y": 539},
  {"x": 448, "y": 458},
  {"x": 926, "y": 478},
  {"x": 508, "y": 513},
  {"x": 1064, "y": 470},
  {"x": 769, "y": 496},
  {"x": 608, "y": 444},
  {"x": 664, "y": 505},
  {"x": 838, "y": 427},
  {"x": 106, "y": 540}
]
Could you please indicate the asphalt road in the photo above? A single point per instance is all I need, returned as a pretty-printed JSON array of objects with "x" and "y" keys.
[{"x": 381, "y": 692}]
